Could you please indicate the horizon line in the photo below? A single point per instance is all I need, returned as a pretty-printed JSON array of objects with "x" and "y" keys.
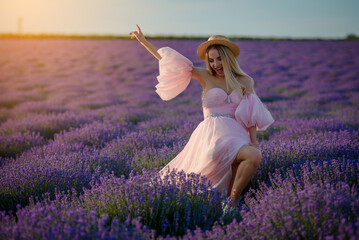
[{"x": 350, "y": 36}]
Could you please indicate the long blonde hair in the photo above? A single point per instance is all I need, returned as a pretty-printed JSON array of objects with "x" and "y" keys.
[{"x": 231, "y": 68}]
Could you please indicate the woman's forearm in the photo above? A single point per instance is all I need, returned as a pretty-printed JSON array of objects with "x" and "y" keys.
[
  {"x": 253, "y": 134},
  {"x": 151, "y": 48}
]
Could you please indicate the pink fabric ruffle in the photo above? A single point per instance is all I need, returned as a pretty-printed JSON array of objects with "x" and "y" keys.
[
  {"x": 252, "y": 112},
  {"x": 175, "y": 73}
]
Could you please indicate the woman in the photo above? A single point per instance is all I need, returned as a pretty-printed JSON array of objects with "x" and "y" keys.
[{"x": 224, "y": 146}]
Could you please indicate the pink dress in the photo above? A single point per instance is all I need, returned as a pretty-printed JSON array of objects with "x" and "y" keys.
[{"x": 216, "y": 141}]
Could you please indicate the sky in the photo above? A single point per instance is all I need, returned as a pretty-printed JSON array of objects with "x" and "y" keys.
[{"x": 252, "y": 18}]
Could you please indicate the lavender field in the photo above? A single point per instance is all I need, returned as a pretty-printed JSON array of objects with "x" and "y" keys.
[{"x": 83, "y": 134}]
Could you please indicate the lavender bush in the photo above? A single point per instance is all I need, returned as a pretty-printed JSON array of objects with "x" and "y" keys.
[
  {"x": 306, "y": 204},
  {"x": 170, "y": 204},
  {"x": 50, "y": 222},
  {"x": 10, "y": 145},
  {"x": 82, "y": 134}
]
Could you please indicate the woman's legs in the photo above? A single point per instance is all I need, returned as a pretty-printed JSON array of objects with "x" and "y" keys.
[
  {"x": 234, "y": 171},
  {"x": 243, "y": 169}
]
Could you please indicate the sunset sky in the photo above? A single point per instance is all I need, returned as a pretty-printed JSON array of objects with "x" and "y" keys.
[{"x": 267, "y": 18}]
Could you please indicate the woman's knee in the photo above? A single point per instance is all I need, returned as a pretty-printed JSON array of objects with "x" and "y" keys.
[
  {"x": 249, "y": 153},
  {"x": 255, "y": 157}
]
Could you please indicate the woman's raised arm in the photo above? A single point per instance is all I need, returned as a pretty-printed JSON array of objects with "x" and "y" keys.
[
  {"x": 196, "y": 73},
  {"x": 141, "y": 38}
]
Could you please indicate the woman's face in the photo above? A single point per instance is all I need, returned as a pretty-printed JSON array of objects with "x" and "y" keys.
[{"x": 215, "y": 62}]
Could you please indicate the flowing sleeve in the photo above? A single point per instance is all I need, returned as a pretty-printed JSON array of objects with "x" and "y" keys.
[
  {"x": 175, "y": 73},
  {"x": 252, "y": 112}
]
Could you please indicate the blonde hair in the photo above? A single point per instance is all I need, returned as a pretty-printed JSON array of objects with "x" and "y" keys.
[{"x": 231, "y": 68}]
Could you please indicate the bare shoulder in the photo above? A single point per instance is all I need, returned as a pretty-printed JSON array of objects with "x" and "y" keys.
[
  {"x": 247, "y": 82},
  {"x": 200, "y": 74}
]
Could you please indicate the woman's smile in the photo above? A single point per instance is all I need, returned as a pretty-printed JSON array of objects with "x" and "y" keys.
[
  {"x": 219, "y": 70},
  {"x": 215, "y": 62}
]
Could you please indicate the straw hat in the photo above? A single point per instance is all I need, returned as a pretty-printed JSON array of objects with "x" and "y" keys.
[{"x": 220, "y": 40}]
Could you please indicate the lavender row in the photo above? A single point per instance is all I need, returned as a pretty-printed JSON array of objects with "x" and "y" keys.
[
  {"x": 283, "y": 151},
  {"x": 76, "y": 157},
  {"x": 304, "y": 204},
  {"x": 169, "y": 204},
  {"x": 65, "y": 165},
  {"x": 50, "y": 222}
]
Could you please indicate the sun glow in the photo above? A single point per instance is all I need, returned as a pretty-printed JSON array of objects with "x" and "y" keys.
[{"x": 36, "y": 15}]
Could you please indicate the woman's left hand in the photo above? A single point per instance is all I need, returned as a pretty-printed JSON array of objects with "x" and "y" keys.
[{"x": 254, "y": 144}]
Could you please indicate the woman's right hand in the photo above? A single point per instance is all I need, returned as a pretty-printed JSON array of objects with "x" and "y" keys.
[{"x": 138, "y": 34}]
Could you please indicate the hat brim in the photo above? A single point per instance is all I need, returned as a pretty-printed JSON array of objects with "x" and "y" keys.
[{"x": 201, "y": 50}]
